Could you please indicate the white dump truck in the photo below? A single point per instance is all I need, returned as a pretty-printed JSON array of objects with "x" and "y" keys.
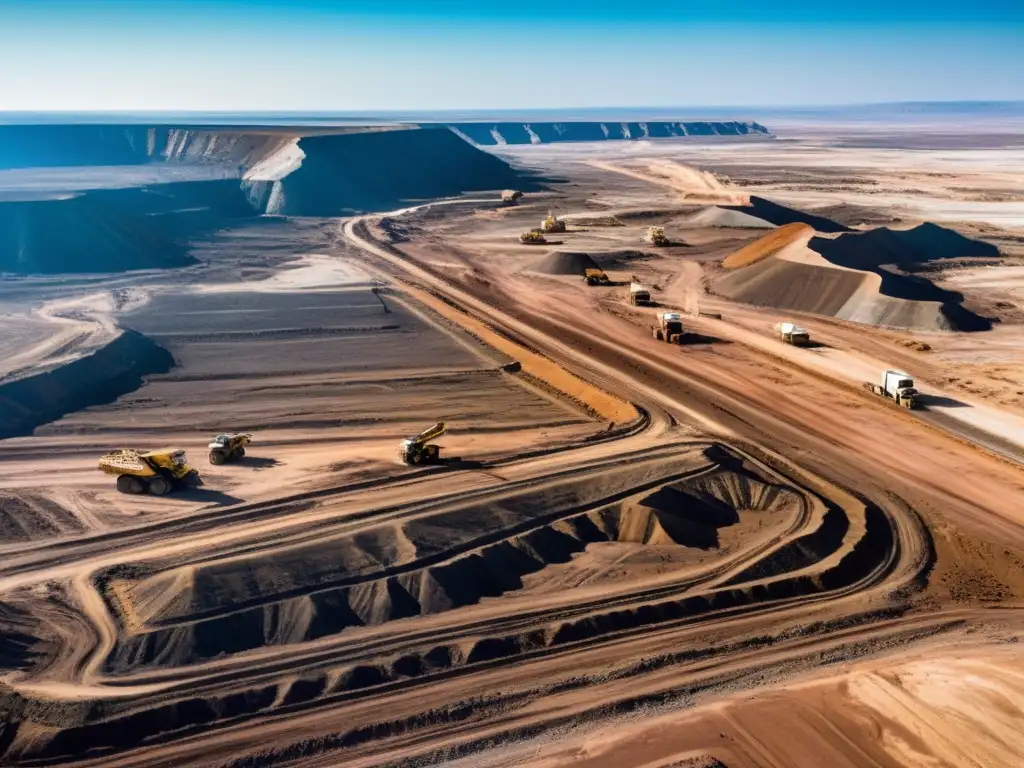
[
  {"x": 897, "y": 386},
  {"x": 639, "y": 295},
  {"x": 793, "y": 334},
  {"x": 669, "y": 328}
]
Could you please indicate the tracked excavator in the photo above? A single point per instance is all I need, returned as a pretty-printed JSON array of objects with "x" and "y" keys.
[
  {"x": 417, "y": 450},
  {"x": 157, "y": 472},
  {"x": 227, "y": 447}
]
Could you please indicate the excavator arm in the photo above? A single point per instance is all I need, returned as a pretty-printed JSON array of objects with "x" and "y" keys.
[{"x": 430, "y": 433}]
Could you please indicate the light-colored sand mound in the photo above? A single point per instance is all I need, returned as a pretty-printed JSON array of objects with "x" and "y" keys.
[
  {"x": 792, "y": 268},
  {"x": 726, "y": 218},
  {"x": 825, "y": 289},
  {"x": 564, "y": 263},
  {"x": 693, "y": 185},
  {"x": 769, "y": 245}
]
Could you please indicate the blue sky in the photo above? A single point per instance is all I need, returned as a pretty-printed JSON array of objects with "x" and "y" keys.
[{"x": 351, "y": 55}]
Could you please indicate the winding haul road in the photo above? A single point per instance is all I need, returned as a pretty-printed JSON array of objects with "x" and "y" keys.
[{"x": 371, "y": 635}]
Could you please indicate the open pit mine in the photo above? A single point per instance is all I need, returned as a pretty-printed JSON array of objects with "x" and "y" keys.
[{"x": 511, "y": 444}]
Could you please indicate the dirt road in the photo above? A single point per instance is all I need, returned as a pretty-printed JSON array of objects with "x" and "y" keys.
[{"x": 707, "y": 534}]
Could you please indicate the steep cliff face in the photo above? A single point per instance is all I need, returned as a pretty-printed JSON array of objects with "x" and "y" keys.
[
  {"x": 374, "y": 171},
  {"x": 108, "y": 221},
  {"x": 113, "y": 230},
  {"x": 491, "y": 134},
  {"x": 102, "y": 377},
  {"x": 48, "y": 146}
]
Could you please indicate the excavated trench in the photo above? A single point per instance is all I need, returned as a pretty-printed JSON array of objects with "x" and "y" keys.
[
  {"x": 428, "y": 565},
  {"x": 832, "y": 552},
  {"x": 98, "y": 378}
]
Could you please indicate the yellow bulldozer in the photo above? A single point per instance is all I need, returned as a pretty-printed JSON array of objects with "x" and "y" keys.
[
  {"x": 533, "y": 237},
  {"x": 156, "y": 472},
  {"x": 227, "y": 447},
  {"x": 552, "y": 224},
  {"x": 596, "y": 277},
  {"x": 418, "y": 450}
]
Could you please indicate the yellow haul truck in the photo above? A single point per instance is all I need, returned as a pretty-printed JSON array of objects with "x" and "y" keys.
[
  {"x": 227, "y": 447},
  {"x": 156, "y": 472}
]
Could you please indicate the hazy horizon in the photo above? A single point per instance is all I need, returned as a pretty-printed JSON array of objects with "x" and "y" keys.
[{"x": 386, "y": 56}]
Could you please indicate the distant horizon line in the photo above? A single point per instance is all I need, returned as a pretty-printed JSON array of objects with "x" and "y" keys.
[
  {"x": 1009, "y": 111},
  {"x": 533, "y": 110}
]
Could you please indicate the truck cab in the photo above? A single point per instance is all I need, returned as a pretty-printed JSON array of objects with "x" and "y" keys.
[
  {"x": 900, "y": 387},
  {"x": 669, "y": 328},
  {"x": 639, "y": 295}
]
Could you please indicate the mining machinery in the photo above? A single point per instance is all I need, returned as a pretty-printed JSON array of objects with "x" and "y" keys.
[
  {"x": 552, "y": 223},
  {"x": 669, "y": 328},
  {"x": 417, "y": 450},
  {"x": 793, "y": 334},
  {"x": 227, "y": 447},
  {"x": 639, "y": 295},
  {"x": 896, "y": 386},
  {"x": 156, "y": 472},
  {"x": 656, "y": 237}
]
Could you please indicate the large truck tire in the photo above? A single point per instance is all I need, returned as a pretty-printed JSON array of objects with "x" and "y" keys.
[
  {"x": 129, "y": 484},
  {"x": 240, "y": 452},
  {"x": 217, "y": 457},
  {"x": 159, "y": 486}
]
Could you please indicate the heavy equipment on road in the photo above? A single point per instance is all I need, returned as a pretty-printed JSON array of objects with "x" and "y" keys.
[
  {"x": 511, "y": 196},
  {"x": 669, "y": 328},
  {"x": 157, "y": 472},
  {"x": 639, "y": 295},
  {"x": 533, "y": 237},
  {"x": 596, "y": 277},
  {"x": 417, "y": 450},
  {"x": 898, "y": 387},
  {"x": 552, "y": 223},
  {"x": 656, "y": 237},
  {"x": 226, "y": 447},
  {"x": 792, "y": 334}
]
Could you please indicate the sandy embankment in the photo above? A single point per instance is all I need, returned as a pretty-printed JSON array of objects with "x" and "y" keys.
[
  {"x": 843, "y": 275},
  {"x": 947, "y": 707}
]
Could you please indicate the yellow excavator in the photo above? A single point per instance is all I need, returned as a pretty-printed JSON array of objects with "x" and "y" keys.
[
  {"x": 417, "y": 450},
  {"x": 156, "y": 472},
  {"x": 552, "y": 224}
]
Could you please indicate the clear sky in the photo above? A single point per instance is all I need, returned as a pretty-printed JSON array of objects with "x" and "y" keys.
[{"x": 352, "y": 55}]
